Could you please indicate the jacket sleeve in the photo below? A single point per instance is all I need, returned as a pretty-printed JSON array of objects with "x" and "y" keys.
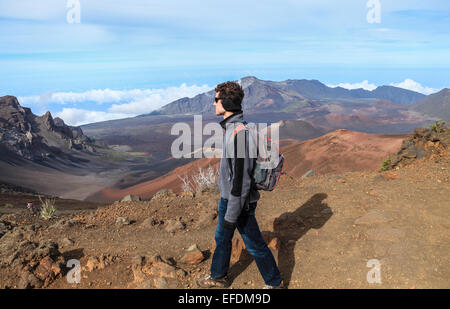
[{"x": 241, "y": 181}]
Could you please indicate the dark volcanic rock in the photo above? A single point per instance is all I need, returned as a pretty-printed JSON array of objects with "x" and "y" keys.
[
  {"x": 424, "y": 143},
  {"x": 37, "y": 137}
]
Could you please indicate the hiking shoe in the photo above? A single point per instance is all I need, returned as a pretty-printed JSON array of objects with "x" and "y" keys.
[
  {"x": 209, "y": 282},
  {"x": 273, "y": 287}
]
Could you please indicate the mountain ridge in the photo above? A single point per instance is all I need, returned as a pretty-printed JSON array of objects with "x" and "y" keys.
[
  {"x": 270, "y": 95},
  {"x": 436, "y": 104}
]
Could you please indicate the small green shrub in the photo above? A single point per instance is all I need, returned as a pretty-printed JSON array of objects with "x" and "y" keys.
[
  {"x": 386, "y": 165},
  {"x": 8, "y": 205},
  {"x": 48, "y": 208},
  {"x": 438, "y": 126}
]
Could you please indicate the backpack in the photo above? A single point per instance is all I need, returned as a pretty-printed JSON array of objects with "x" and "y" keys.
[{"x": 265, "y": 173}]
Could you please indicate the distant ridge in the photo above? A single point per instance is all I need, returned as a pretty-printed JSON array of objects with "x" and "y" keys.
[
  {"x": 436, "y": 105},
  {"x": 291, "y": 94}
]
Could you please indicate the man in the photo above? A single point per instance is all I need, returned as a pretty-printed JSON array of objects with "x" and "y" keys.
[{"x": 238, "y": 198}]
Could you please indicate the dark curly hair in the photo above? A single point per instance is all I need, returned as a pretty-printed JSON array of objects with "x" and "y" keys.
[{"x": 232, "y": 91}]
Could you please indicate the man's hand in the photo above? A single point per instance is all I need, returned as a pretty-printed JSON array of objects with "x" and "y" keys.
[{"x": 228, "y": 225}]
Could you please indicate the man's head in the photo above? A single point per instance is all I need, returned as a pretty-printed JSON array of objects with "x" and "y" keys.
[{"x": 229, "y": 97}]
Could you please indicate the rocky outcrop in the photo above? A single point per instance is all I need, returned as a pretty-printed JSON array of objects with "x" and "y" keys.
[
  {"x": 425, "y": 143},
  {"x": 36, "y": 263},
  {"x": 37, "y": 137},
  {"x": 156, "y": 272}
]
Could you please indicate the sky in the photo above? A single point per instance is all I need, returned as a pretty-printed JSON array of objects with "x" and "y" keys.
[{"x": 88, "y": 61}]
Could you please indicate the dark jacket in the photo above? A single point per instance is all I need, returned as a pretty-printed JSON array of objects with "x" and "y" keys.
[{"x": 235, "y": 180}]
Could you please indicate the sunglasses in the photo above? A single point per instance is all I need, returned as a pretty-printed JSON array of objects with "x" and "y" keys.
[{"x": 217, "y": 99}]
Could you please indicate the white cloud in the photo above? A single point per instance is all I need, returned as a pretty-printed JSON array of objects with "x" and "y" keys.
[
  {"x": 364, "y": 85},
  {"x": 414, "y": 86},
  {"x": 115, "y": 103},
  {"x": 77, "y": 117},
  {"x": 406, "y": 84},
  {"x": 155, "y": 98}
]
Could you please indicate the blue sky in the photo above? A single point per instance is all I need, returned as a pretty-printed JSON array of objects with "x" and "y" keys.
[{"x": 126, "y": 58}]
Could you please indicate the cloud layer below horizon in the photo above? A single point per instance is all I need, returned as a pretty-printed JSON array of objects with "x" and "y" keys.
[
  {"x": 408, "y": 84},
  {"x": 77, "y": 108}
]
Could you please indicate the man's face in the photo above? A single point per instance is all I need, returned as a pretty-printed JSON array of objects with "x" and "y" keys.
[{"x": 219, "y": 108}]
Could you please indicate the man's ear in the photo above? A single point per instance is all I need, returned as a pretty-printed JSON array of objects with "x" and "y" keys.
[{"x": 227, "y": 103}]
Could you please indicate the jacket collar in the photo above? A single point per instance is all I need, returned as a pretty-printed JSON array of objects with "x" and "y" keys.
[{"x": 236, "y": 117}]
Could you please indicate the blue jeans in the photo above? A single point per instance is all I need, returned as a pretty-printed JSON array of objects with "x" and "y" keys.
[{"x": 254, "y": 243}]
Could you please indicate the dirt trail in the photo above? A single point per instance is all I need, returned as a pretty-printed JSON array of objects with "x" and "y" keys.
[{"x": 329, "y": 227}]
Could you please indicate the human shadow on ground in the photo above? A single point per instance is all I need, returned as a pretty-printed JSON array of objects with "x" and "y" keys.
[{"x": 289, "y": 227}]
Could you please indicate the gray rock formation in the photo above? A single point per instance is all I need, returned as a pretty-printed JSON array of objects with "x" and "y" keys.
[
  {"x": 423, "y": 143},
  {"x": 37, "y": 137}
]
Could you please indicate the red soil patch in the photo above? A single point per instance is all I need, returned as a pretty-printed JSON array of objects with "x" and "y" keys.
[
  {"x": 168, "y": 181},
  {"x": 341, "y": 151}
]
